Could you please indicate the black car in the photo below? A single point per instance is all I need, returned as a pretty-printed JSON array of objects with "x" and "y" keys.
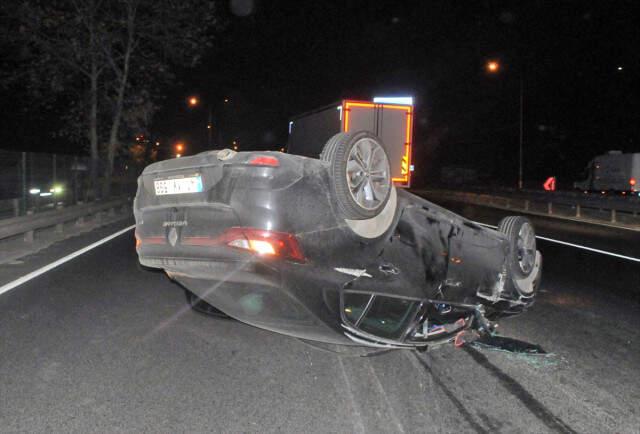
[{"x": 328, "y": 249}]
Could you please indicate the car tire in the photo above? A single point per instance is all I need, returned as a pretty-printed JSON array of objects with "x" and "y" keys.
[
  {"x": 201, "y": 306},
  {"x": 360, "y": 173},
  {"x": 524, "y": 259}
]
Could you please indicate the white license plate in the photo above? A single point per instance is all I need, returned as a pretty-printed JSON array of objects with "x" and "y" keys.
[{"x": 192, "y": 184}]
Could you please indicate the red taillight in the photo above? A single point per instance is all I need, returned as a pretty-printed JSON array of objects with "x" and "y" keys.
[
  {"x": 265, "y": 161},
  {"x": 260, "y": 241},
  {"x": 632, "y": 182}
]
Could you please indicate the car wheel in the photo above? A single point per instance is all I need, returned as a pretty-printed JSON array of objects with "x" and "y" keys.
[
  {"x": 201, "y": 306},
  {"x": 524, "y": 260},
  {"x": 360, "y": 173}
]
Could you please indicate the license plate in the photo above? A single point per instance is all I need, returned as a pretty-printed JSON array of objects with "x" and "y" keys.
[{"x": 192, "y": 184}]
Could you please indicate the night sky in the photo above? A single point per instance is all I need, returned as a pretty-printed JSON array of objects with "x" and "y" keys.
[{"x": 286, "y": 57}]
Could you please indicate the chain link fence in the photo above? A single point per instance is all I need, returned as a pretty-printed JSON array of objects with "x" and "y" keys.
[{"x": 32, "y": 181}]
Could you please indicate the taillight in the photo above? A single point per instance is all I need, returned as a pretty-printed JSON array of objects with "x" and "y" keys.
[
  {"x": 260, "y": 241},
  {"x": 265, "y": 161}
]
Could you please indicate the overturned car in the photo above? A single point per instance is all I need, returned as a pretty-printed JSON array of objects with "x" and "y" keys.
[{"x": 328, "y": 249}]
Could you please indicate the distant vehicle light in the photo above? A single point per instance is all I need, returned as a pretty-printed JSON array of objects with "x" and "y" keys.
[
  {"x": 404, "y": 100},
  {"x": 45, "y": 193},
  {"x": 632, "y": 182},
  {"x": 34, "y": 191},
  {"x": 265, "y": 161}
]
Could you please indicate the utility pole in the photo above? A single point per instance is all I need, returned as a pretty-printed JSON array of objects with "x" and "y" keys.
[
  {"x": 493, "y": 67},
  {"x": 210, "y": 126},
  {"x": 520, "y": 156},
  {"x": 23, "y": 167}
]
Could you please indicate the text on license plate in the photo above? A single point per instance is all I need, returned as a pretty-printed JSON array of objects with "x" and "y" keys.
[{"x": 191, "y": 184}]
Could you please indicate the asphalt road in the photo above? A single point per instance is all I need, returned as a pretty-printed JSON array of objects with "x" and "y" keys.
[{"x": 99, "y": 345}]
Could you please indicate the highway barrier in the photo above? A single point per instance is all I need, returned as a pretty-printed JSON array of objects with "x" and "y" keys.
[
  {"x": 590, "y": 208},
  {"x": 27, "y": 224}
]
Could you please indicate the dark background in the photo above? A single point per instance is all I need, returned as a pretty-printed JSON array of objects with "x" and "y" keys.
[{"x": 273, "y": 59}]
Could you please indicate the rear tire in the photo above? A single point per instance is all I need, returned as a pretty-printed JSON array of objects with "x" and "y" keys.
[{"x": 360, "y": 173}]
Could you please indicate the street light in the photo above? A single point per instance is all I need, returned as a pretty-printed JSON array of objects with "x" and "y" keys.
[
  {"x": 493, "y": 67},
  {"x": 193, "y": 102}
]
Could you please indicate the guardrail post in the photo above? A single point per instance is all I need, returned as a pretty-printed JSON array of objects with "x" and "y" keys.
[
  {"x": 16, "y": 207},
  {"x": 98, "y": 217},
  {"x": 578, "y": 211},
  {"x": 526, "y": 205},
  {"x": 613, "y": 216},
  {"x": 112, "y": 212},
  {"x": 80, "y": 221},
  {"x": 28, "y": 236},
  {"x": 549, "y": 208},
  {"x": 60, "y": 226}
]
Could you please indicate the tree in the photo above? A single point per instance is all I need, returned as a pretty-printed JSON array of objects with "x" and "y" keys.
[
  {"x": 57, "y": 43},
  {"x": 107, "y": 57},
  {"x": 144, "y": 38}
]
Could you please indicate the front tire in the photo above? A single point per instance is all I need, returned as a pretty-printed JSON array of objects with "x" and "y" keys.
[{"x": 524, "y": 261}]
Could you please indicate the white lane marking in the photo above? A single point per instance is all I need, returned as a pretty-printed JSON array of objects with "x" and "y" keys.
[
  {"x": 27, "y": 277},
  {"x": 577, "y": 246}
]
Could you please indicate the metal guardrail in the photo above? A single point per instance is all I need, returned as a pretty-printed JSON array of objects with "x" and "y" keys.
[
  {"x": 571, "y": 205},
  {"x": 28, "y": 224},
  {"x": 628, "y": 203}
]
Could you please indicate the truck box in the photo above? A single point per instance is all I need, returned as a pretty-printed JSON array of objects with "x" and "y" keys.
[
  {"x": 613, "y": 171},
  {"x": 393, "y": 123}
]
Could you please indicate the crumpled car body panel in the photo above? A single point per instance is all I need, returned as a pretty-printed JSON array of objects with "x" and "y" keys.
[{"x": 427, "y": 256}]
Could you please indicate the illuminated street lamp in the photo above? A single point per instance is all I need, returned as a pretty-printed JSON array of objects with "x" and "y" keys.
[
  {"x": 493, "y": 67},
  {"x": 179, "y": 148},
  {"x": 193, "y": 102}
]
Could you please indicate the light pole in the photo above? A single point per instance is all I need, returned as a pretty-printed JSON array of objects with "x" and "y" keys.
[
  {"x": 520, "y": 154},
  {"x": 493, "y": 67},
  {"x": 193, "y": 101}
]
